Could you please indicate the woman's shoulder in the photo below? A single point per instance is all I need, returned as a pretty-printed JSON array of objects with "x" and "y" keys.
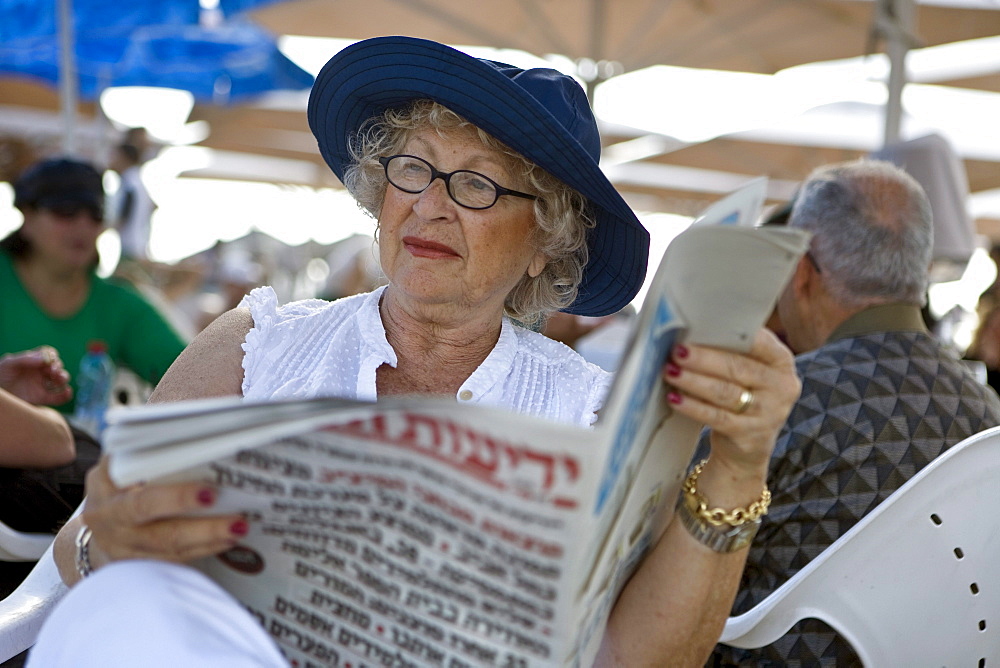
[
  {"x": 264, "y": 305},
  {"x": 282, "y": 346},
  {"x": 285, "y": 327}
]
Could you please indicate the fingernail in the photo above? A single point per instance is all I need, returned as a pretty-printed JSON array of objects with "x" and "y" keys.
[
  {"x": 674, "y": 397},
  {"x": 206, "y": 496},
  {"x": 239, "y": 528},
  {"x": 673, "y": 370},
  {"x": 681, "y": 351}
]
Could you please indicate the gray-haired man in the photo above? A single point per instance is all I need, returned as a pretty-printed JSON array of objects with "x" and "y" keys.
[{"x": 881, "y": 397}]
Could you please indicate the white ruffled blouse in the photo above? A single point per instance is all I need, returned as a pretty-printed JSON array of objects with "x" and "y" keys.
[{"x": 315, "y": 348}]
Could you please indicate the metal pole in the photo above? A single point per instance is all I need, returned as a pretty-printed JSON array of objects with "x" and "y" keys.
[
  {"x": 596, "y": 43},
  {"x": 68, "y": 83},
  {"x": 895, "y": 21}
]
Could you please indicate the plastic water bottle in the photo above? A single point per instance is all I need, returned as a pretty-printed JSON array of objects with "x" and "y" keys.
[{"x": 93, "y": 388}]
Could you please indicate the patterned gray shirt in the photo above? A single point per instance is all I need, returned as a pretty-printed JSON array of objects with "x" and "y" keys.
[{"x": 876, "y": 407}]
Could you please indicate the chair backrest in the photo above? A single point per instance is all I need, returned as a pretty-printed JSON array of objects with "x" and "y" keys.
[
  {"x": 24, "y": 610},
  {"x": 128, "y": 389},
  {"x": 20, "y": 546},
  {"x": 916, "y": 582}
]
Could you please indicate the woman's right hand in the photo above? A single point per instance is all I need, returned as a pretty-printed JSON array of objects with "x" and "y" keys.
[{"x": 155, "y": 521}]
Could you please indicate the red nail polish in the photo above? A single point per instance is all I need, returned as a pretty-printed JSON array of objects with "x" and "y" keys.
[
  {"x": 239, "y": 528},
  {"x": 673, "y": 370},
  {"x": 681, "y": 351},
  {"x": 206, "y": 496},
  {"x": 674, "y": 397}
]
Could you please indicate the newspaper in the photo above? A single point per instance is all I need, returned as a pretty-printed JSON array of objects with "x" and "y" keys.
[{"x": 419, "y": 532}]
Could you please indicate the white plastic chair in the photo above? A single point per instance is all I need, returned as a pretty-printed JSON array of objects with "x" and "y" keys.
[
  {"x": 21, "y": 546},
  {"x": 916, "y": 582},
  {"x": 129, "y": 389},
  {"x": 24, "y": 610}
]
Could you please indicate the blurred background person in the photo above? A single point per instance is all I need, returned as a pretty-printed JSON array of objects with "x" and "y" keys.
[
  {"x": 599, "y": 340},
  {"x": 51, "y": 292},
  {"x": 569, "y": 328},
  {"x": 354, "y": 268},
  {"x": 990, "y": 297},
  {"x": 985, "y": 346},
  {"x": 131, "y": 208},
  {"x": 236, "y": 274}
]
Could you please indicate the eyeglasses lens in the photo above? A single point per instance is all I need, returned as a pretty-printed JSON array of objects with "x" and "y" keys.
[
  {"x": 413, "y": 175},
  {"x": 409, "y": 174},
  {"x": 472, "y": 190}
]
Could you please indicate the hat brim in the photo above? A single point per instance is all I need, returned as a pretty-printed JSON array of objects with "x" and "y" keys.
[
  {"x": 85, "y": 198},
  {"x": 371, "y": 76}
]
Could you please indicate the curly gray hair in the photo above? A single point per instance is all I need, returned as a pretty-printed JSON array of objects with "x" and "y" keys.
[{"x": 562, "y": 218}]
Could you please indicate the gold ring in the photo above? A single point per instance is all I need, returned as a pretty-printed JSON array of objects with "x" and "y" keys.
[{"x": 746, "y": 399}]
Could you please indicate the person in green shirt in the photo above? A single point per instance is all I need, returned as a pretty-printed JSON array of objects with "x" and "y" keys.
[{"x": 51, "y": 294}]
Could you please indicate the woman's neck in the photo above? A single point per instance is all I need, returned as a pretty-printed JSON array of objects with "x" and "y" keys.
[
  {"x": 434, "y": 354},
  {"x": 58, "y": 292}
]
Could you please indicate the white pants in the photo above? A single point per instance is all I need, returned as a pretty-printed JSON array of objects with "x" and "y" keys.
[{"x": 152, "y": 614}]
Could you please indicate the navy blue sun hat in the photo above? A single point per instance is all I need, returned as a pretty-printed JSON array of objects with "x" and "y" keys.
[{"x": 540, "y": 113}]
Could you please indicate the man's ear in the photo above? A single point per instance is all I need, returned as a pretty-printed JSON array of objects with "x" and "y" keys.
[{"x": 806, "y": 279}]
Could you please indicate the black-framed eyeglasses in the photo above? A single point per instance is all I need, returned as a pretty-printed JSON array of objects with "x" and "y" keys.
[{"x": 469, "y": 189}]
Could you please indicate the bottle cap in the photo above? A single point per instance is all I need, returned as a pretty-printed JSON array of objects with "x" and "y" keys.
[{"x": 97, "y": 347}]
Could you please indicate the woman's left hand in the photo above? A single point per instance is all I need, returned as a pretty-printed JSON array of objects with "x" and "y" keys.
[{"x": 743, "y": 398}]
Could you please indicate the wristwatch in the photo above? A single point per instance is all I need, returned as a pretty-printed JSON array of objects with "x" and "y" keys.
[
  {"x": 721, "y": 538},
  {"x": 720, "y": 530},
  {"x": 82, "y": 541}
]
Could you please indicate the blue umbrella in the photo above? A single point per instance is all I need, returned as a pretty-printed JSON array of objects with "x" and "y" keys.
[
  {"x": 153, "y": 43},
  {"x": 229, "y": 63},
  {"x": 163, "y": 43},
  {"x": 21, "y": 19}
]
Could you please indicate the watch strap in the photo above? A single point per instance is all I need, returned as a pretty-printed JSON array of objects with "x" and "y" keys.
[
  {"x": 83, "y": 566},
  {"x": 723, "y": 538}
]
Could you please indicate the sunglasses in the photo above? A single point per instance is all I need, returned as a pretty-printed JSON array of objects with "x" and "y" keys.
[{"x": 67, "y": 211}]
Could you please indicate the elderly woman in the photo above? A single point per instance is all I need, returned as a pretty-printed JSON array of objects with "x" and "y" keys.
[{"x": 491, "y": 207}]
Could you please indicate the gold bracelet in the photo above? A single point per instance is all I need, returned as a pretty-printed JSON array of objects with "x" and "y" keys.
[{"x": 717, "y": 516}]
